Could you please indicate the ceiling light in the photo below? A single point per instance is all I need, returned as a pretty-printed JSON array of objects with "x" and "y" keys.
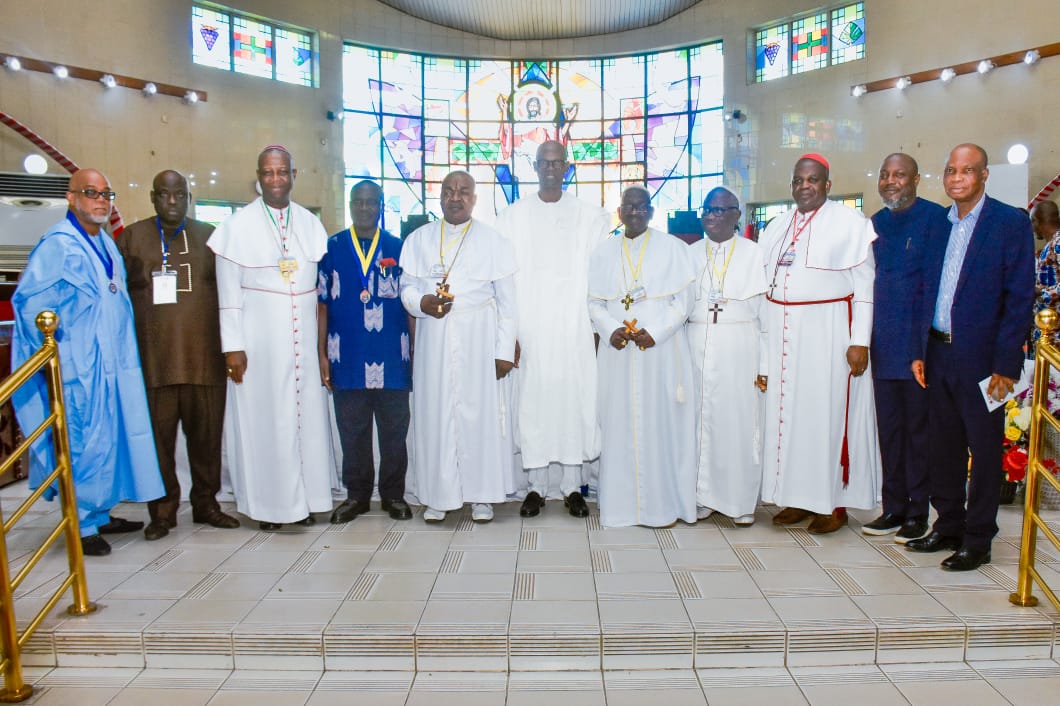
[
  {"x": 12, "y": 63},
  {"x": 985, "y": 66},
  {"x": 35, "y": 164},
  {"x": 1031, "y": 57},
  {"x": 859, "y": 90},
  {"x": 1017, "y": 154},
  {"x": 903, "y": 83},
  {"x": 60, "y": 71},
  {"x": 108, "y": 81},
  {"x": 149, "y": 89},
  {"x": 191, "y": 97},
  {"x": 947, "y": 74}
]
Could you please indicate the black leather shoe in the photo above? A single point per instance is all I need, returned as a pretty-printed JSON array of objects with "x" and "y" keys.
[
  {"x": 966, "y": 559},
  {"x": 398, "y": 509},
  {"x": 533, "y": 504},
  {"x": 307, "y": 521},
  {"x": 156, "y": 530},
  {"x": 934, "y": 542},
  {"x": 576, "y": 505},
  {"x": 350, "y": 509},
  {"x": 216, "y": 519},
  {"x": 94, "y": 545},
  {"x": 270, "y": 526},
  {"x": 117, "y": 526},
  {"x": 884, "y": 524}
]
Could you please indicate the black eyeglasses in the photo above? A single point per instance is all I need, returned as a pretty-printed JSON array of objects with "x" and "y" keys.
[
  {"x": 551, "y": 163},
  {"x": 638, "y": 210},
  {"x": 93, "y": 194},
  {"x": 718, "y": 210}
]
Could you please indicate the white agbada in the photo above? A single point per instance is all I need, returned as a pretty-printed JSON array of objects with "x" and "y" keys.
[
  {"x": 277, "y": 423},
  {"x": 729, "y": 351},
  {"x": 807, "y": 400},
  {"x": 461, "y": 428},
  {"x": 647, "y": 418},
  {"x": 556, "y": 379}
]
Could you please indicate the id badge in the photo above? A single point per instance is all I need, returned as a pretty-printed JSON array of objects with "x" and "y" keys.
[
  {"x": 714, "y": 296},
  {"x": 438, "y": 270},
  {"x": 788, "y": 257},
  {"x": 638, "y": 294},
  {"x": 164, "y": 286}
]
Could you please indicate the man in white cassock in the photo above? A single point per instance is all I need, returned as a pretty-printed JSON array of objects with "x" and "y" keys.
[
  {"x": 820, "y": 449},
  {"x": 457, "y": 280},
  {"x": 277, "y": 427},
  {"x": 553, "y": 233},
  {"x": 640, "y": 295},
  {"x": 727, "y": 336}
]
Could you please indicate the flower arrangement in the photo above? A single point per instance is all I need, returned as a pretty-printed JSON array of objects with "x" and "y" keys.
[{"x": 1017, "y": 431}]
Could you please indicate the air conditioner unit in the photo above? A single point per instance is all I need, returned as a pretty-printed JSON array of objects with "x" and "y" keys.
[{"x": 33, "y": 203}]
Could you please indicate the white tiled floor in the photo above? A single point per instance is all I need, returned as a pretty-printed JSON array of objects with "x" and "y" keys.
[{"x": 542, "y": 611}]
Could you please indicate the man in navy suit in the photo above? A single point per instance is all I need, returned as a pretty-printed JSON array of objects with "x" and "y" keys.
[
  {"x": 906, "y": 226},
  {"x": 978, "y": 293}
]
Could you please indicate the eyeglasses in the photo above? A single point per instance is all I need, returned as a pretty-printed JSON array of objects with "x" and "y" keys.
[
  {"x": 718, "y": 210},
  {"x": 637, "y": 210},
  {"x": 551, "y": 163},
  {"x": 93, "y": 194}
]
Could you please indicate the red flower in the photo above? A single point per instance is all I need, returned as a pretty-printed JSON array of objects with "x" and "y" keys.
[
  {"x": 387, "y": 262},
  {"x": 1014, "y": 463}
]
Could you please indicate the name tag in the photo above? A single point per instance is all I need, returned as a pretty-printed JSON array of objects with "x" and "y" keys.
[
  {"x": 638, "y": 294},
  {"x": 164, "y": 286},
  {"x": 714, "y": 296},
  {"x": 788, "y": 257},
  {"x": 438, "y": 270}
]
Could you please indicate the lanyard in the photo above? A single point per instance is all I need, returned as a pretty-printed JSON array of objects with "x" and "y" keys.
[
  {"x": 366, "y": 260},
  {"x": 442, "y": 248},
  {"x": 165, "y": 243},
  {"x": 286, "y": 225},
  {"x": 714, "y": 266},
  {"x": 635, "y": 272},
  {"x": 103, "y": 255},
  {"x": 794, "y": 239}
]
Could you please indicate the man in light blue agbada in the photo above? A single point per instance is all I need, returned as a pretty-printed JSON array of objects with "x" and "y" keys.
[{"x": 77, "y": 272}]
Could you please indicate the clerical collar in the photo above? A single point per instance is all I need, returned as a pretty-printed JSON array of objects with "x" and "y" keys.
[{"x": 464, "y": 225}]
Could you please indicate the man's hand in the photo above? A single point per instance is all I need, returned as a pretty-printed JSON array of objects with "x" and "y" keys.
[
  {"x": 858, "y": 359},
  {"x": 518, "y": 353},
  {"x": 434, "y": 305},
  {"x": 761, "y": 382},
  {"x": 643, "y": 340},
  {"x": 999, "y": 387},
  {"x": 918, "y": 373},
  {"x": 237, "y": 365},
  {"x": 325, "y": 372},
  {"x": 619, "y": 338},
  {"x": 503, "y": 367}
]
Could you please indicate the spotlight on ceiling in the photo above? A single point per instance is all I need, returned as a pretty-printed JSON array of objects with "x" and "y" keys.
[
  {"x": 1018, "y": 153},
  {"x": 859, "y": 90},
  {"x": 149, "y": 89},
  {"x": 60, "y": 71},
  {"x": 108, "y": 81},
  {"x": 12, "y": 63},
  {"x": 903, "y": 83},
  {"x": 1031, "y": 57},
  {"x": 947, "y": 75},
  {"x": 985, "y": 66},
  {"x": 191, "y": 97}
]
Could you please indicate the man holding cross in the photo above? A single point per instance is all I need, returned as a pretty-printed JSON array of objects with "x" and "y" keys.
[
  {"x": 727, "y": 335},
  {"x": 640, "y": 295}
]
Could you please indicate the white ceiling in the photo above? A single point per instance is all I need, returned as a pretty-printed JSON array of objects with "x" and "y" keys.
[{"x": 542, "y": 19}]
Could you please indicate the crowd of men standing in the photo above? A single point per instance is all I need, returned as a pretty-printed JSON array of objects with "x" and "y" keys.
[{"x": 544, "y": 354}]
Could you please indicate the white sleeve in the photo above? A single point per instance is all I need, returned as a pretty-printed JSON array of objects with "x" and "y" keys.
[
  {"x": 230, "y": 304},
  {"x": 507, "y": 313}
]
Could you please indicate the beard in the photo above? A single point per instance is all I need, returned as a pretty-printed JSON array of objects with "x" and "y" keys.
[{"x": 898, "y": 203}]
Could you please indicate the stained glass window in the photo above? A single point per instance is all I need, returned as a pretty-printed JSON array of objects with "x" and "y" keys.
[
  {"x": 848, "y": 33},
  {"x": 809, "y": 42},
  {"x": 413, "y": 118},
  {"x": 234, "y": 42}
]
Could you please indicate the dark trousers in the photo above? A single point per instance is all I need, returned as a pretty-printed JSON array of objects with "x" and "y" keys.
[
  {"x": 354, "y": 410},
  {"x": 902, "y": 419},
  {"x": 959, "y": 422},
  {"x": 200, "y": 410}
]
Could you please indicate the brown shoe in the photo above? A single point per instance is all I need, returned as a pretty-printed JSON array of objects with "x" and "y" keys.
[
  {"x": 824, "y": 524},
  {"x": 216, "y": 518},
  {"x": 791, "y": 516}
]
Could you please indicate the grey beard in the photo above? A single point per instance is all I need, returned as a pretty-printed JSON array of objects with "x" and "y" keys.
[{"x": 898, "y": 203}]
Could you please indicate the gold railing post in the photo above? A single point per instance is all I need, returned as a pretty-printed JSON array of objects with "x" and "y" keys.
[
  {"x": 15, "y": 687},
  {"x": 1047, "y": 321}
]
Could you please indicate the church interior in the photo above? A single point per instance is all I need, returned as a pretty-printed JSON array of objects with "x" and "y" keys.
[{"x": 681, "y": 95}]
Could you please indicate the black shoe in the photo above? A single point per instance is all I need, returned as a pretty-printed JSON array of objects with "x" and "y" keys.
[
  {"x": 884, "y": 524},
  {"x": 966, "y": 559},
  {"x": 117, "y": 526},
  {"x": 307, "y": 521},
  {"x": 94, "y": 545},
  {"x": 270, "y": 526},
  {"x": 156, "y": 530},
  {"x": 576, "y": 504},
  {"x": 933, "y": 542},
  {"x": 398, "y": 509},
  {"x": 348, "y": 510},
  {"x": 912, "y": 528},
  {"x": 533, "y": 504},
  {"x": 216, "y": 519}
]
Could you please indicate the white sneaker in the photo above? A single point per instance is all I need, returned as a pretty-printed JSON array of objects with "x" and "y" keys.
[
  {"x": 703, "y": 512},
  {"x": 744, "y": 520},
  {"x": 481, "y": 512},
  {"x": 432, "y": 515}
]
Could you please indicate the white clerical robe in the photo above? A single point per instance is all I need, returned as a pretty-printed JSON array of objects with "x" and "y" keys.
[
  {"x": 461, "y": 427},
  {"x": 277, "y": 424},
  {"x": 647, "y": 419},
  {"x": 727, "y": 336},
  {"x": 556, "y": 379},
  {"x": 819, "y": 305}
]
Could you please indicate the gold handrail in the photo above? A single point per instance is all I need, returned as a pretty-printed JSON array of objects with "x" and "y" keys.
[{"x": 46, "y": 359}]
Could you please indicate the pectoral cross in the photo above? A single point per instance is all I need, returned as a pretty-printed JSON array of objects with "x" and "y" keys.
[
  {"x": 715, "y": 309},
  {"x": 443, "y": 291},
  {"x": 627, "y": 300},
  {"x": 288, "y": 265},
  {"x": 631, "y": 327}
]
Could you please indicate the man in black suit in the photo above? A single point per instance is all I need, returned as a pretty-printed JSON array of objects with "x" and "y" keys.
[{"x": 978, "y": 292}]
